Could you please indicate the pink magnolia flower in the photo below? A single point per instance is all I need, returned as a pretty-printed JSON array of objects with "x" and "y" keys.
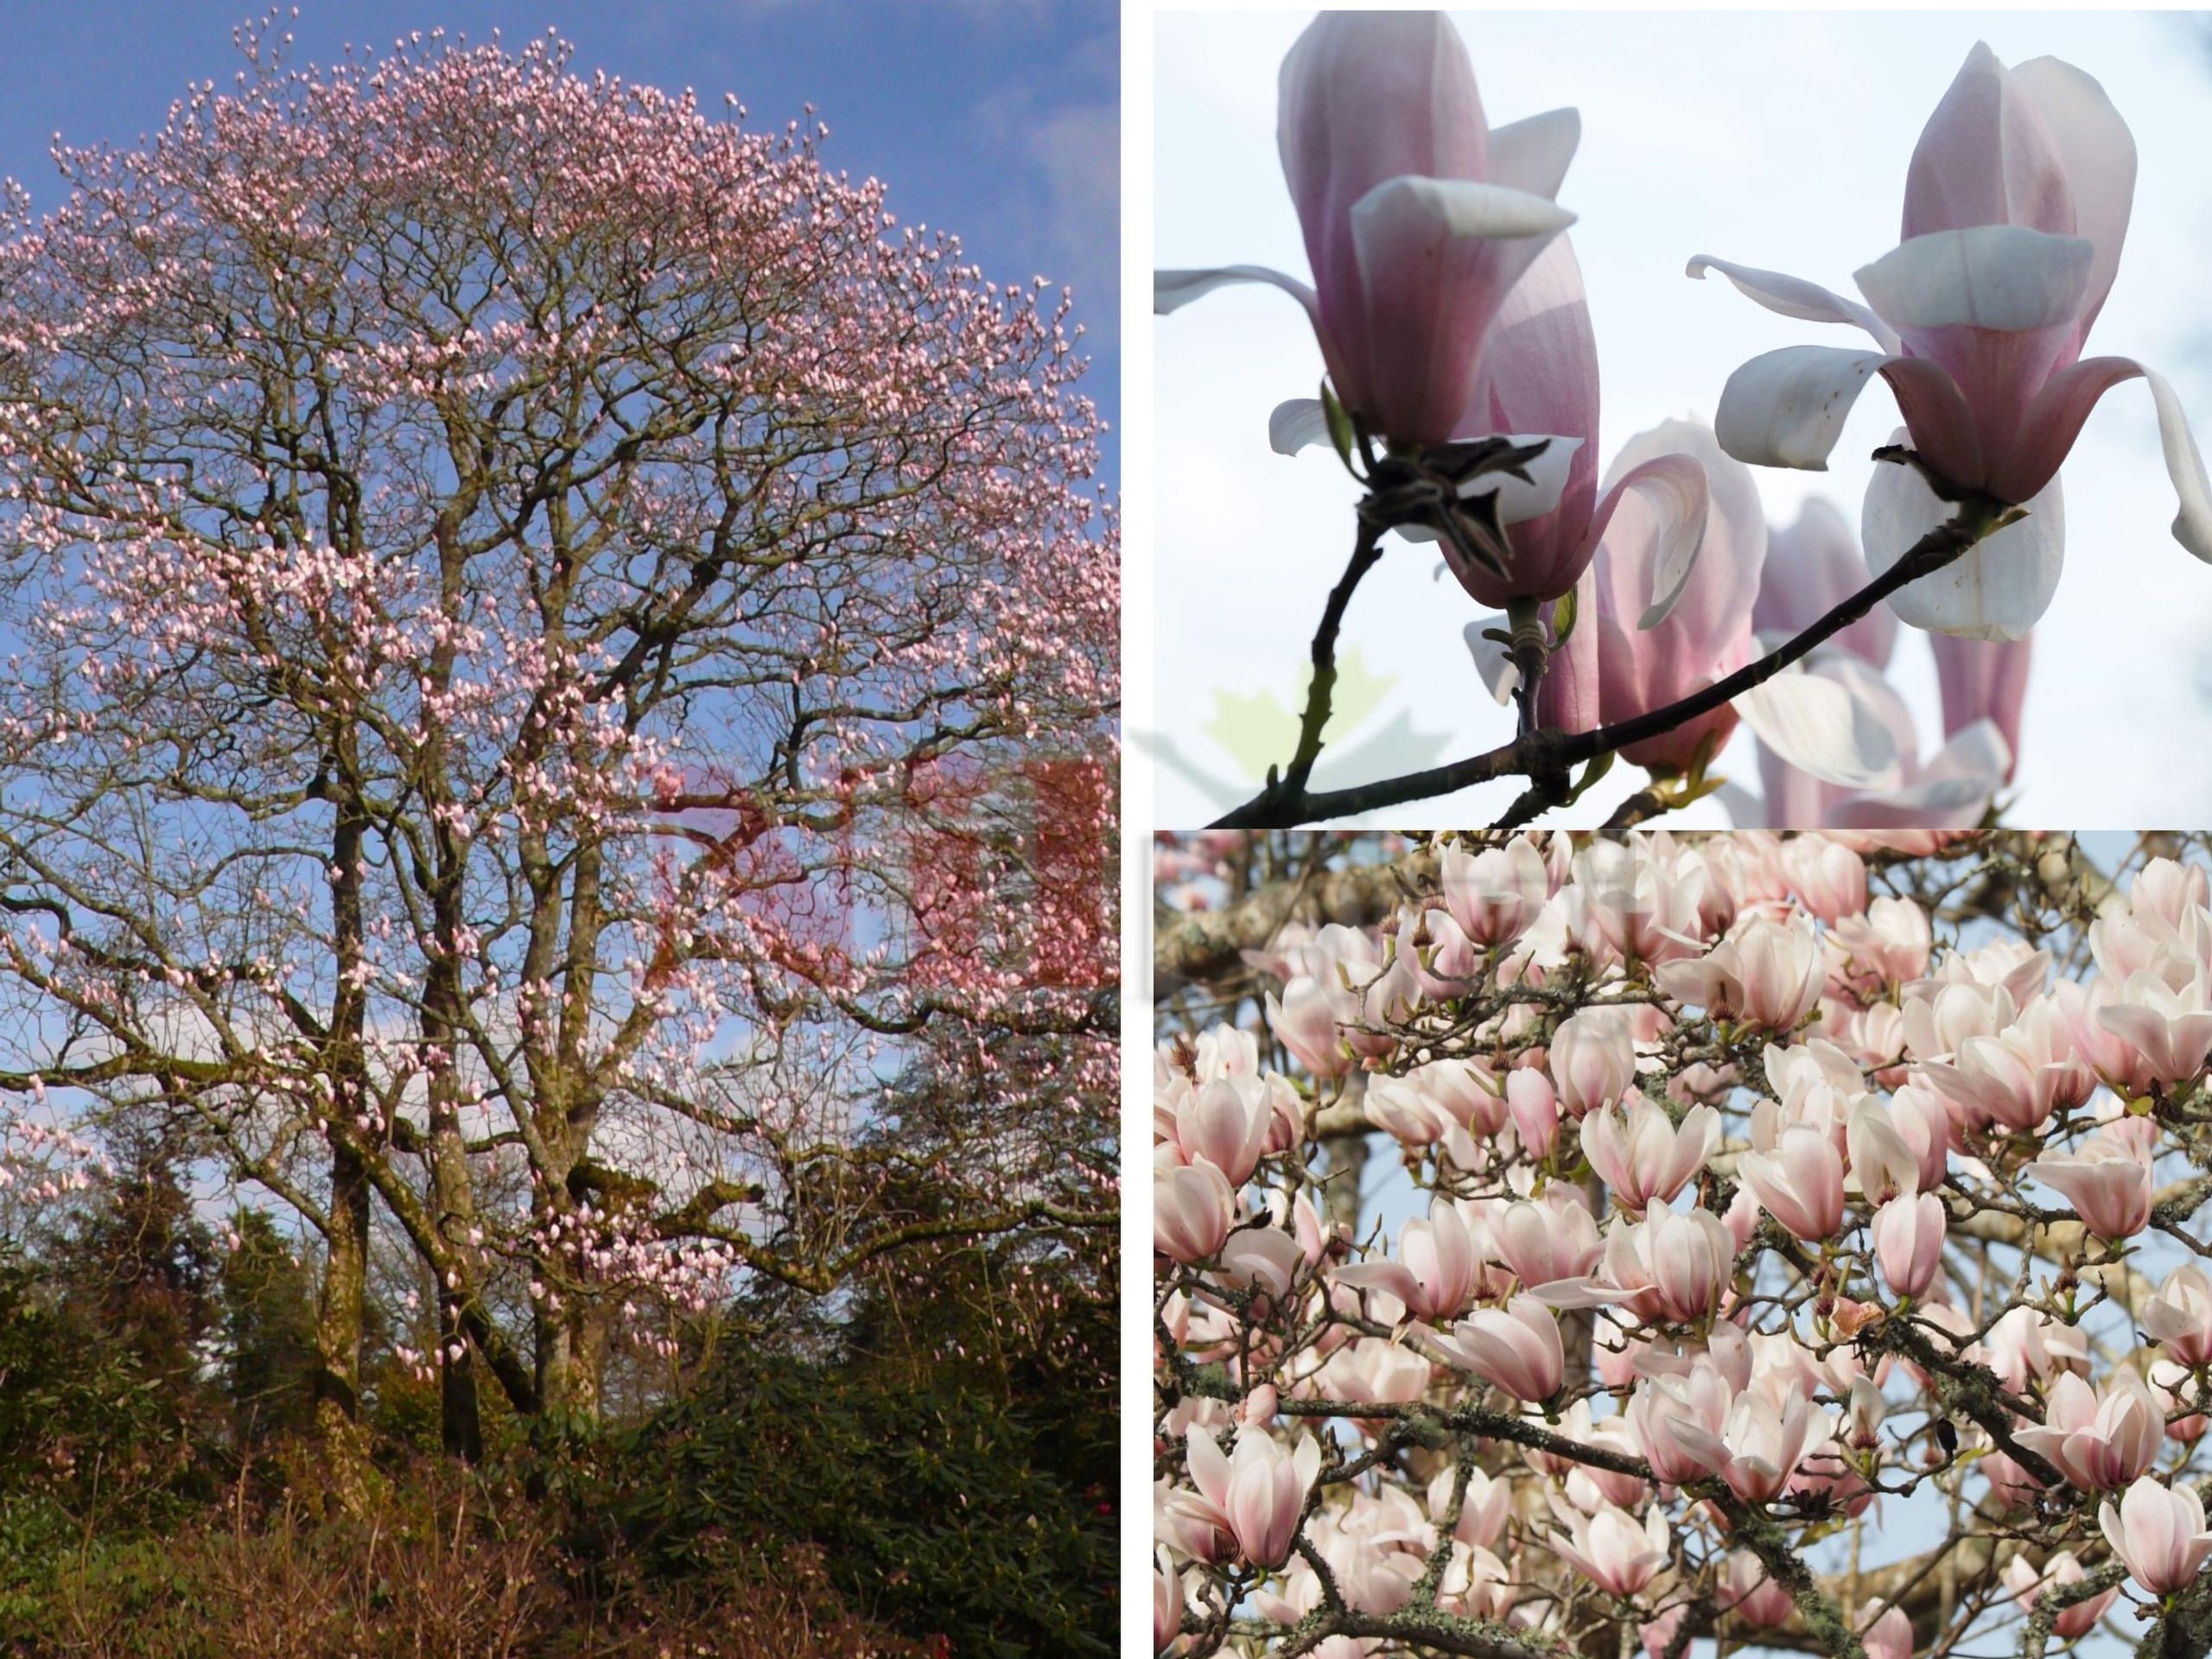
[
  {"x": 1984, "y": 679},
  {"x": 2179, "y": 1315},
  {"x": 1419, "y": 219},
  {"x": 1642, "y": 1154},
  {"x": 1593, "y": 1059},
  {"x": 1533, "y": 1104},
  {"x": 1669, "y": 1266},
  {"x": 1699, "y": 1397},
  {"x": 1437, "y": 1268},
  {"x": 1895, "y": 786},
  {"x": 1812, "y": 567},
  {"x": 2027, "y": 1585},
  {"x": 2108, "y": 1182},
  {"x": 2160, "y": 1533},
  {"x": 1166, "y": 1600},
  {"x": 2015, "y": 208},
  {"x": 1495, "y": 893},
  {"x": 1828, "y": 876},
  {"x": 1757, "y": 1448},
  {"x": 1614, "y": 1551},
  {"x": 1546, "y": 1240},
  {"x": 1800, "y": 1182},
  {"x": 2099, "y": 1441},
  {"x": 2170, "y": 1027},
  {"x": 1753, "y": 1595},
  {"x": 1621, "y": 660},
  {"x": 1227, "y": 1122},
  {"x": 1192, "y": 1209},
  {"x": 1766, "y": 975},
  {"x": 1517, "y": 1348},
  {"x": 1908, "y": 1241},
  {"x": 1259, "y": 1490},
  {"x": 2018, "y": 1079},
  {"x": 1890, "y": 1636}
]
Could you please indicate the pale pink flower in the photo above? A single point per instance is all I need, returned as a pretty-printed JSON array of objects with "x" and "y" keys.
[
  {"x": 1419, "y": 219},
  {"x": 1811, "y": 568},
  {"x": 1546, "y": 1240},
  {"x": 1889, "y": 1635},
  {"x": 2179, "y": 1315},
  {"x": 1753, "y": 1597},
  {"x": 1700, "y": 1397},
  {"x": 1593, "y": 1059},
  {"x": 2107, "y": 1180},
  {"x": 1436, "y": 1269},
  {"x": 1495, "y": 893},
  {"x": 1908, "y": 1241},
  {"x": 1670, "y": 1265},
  {"x": 1766, "y": 975},
  {"x": 1800, "y": 1183},
  {"x": 1259, "y": 1490},
  {"x": 1192, "y": 1209},
  {"x": 2073, "y": 1621},
  {"x": 2160, "y": 1533},
  {"x": 1166, "y": 1600},
  {"x": 2169, "y": 1027},
  {"x": 1533, "y": 1104},
  {"x": 1613, "y": 1550},
  {"x": 1227, "y": 1122},
  {"x": 1641, "y": 1153},
  {"x": 1828, "y": 876},
  {"x": 1517, "y": 1348},
  {"x": 1983, "y": 680},
  {"x": 2099, "y": 1441},
  {"x": 1757, "y": 1449},
  {"x": 2015, "y": 208}
]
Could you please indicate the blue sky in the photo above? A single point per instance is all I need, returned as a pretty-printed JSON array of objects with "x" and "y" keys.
[{"x": 997, "y": 120}]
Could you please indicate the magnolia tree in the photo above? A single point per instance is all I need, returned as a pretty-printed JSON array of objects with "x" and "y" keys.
[
  {"x": 561, "y": 656},
  {"x": 1640, "y": 614},
  {"x": 1794, "y": 1243}
]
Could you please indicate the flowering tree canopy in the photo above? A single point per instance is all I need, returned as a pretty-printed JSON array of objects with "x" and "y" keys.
[
  {"x": 561, "y": 668},
  {"x": 1637, "y": 612},
  {"x": 1792, "y": 1241}
]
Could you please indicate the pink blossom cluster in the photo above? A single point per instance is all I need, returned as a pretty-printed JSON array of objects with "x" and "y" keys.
[{"x": 1751, "y": 1192}]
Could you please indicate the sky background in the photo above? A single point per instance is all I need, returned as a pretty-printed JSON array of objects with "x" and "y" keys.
[
  {"x": 996, "y": 119},
  {"x": 1773, "y": 139}
]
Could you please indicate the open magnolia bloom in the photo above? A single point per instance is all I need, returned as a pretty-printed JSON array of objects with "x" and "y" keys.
[
  {"x": 1951, "y": 790},
  {"x": 1615, "y": 663},
  {"x": 1809, "y": 568},
  {"x": 1418, "y": 218},
  {"x": 2015, "y": 207}
]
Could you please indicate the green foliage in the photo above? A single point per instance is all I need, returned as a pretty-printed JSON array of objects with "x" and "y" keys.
[
  {"x": 268, "y": 1315},
  {"x": 935, "y": 1506}
]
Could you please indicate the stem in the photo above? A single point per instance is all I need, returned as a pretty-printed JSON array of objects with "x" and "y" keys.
[
  {"x": 1288, "y": 804},
  {"x": 1364, "y": 554}
]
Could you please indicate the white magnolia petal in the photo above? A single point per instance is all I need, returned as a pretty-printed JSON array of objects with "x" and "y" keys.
[
  {"x": 1174, "y": 289},
  {"x": 1533, "y": 155},
  {"x": 1297, "y": 423},
  {"x": 2099, "y": 154},
  {"x": 2001, "y": 276},
  {"x": 1679, "y": 491},
  {"x": 1996, "y": 590},
  {"x": 1465, "y": 209},
  {"x": 1793, "y": 296},
  {"x": 1818, "y": 726},
  {"x": 2185, "y": 467},
  {"x": 1493, "y": 663},
  {"x": 1786, "y": 408},
  {"x": 1977, "y": 754}
]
